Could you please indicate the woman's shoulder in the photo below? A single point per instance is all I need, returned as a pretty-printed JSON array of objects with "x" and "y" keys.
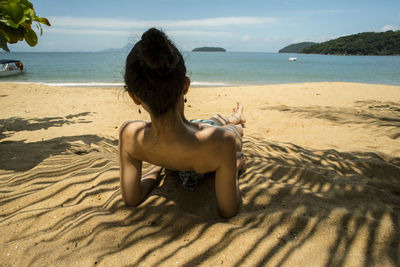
[
  {"x": 218, "y": 136},
  {"x": 131, "y": 128},
  {"x": 131, "y": 136}
]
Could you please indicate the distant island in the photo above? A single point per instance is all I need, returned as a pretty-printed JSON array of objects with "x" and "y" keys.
[
  {"x": 209, "y": 49},
  {"x": 366, "y": 43},
  {"x": 126, "y": 48},
  {"x": 296, "y": 48}
]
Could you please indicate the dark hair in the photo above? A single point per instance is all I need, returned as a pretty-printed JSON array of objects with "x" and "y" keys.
[{"x": 155, "y": 71}]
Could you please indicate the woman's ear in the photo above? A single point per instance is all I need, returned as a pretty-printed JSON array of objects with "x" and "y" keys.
[
  {"x": 187, "y": 85},
  {"x": 135, "y": 98}
]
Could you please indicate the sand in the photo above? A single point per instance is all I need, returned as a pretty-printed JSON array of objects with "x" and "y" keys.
[{"x": 322, "y": 185}]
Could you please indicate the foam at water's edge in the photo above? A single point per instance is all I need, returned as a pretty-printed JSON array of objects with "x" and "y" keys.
[
  {"x": 77, "y": 84},
  {"x": 210, "y": 84},
  {"x": 106, "y": 84},
  {"x": 85, "y": 84}
]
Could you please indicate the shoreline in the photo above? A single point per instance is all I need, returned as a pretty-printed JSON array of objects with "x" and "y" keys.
[{"x": 193, "y": 84}]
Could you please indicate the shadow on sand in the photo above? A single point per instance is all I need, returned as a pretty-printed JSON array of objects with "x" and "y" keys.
[
  {"x": 22, "y": 156},
  {"x": 370, "y": 113},
  {"x": 292, "y": 196},
  {"x": 15, "y": 124}
]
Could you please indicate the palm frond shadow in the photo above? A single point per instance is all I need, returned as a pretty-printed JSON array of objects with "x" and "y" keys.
[
  {"x": 291, "y": 196},
  {"x": 15, "y": 155},
  {"x": 367, "y": 113},
  {"x": 12, "y": 125}
]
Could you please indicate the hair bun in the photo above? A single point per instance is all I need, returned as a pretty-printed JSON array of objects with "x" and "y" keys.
[{"x": 158, "y": 52}]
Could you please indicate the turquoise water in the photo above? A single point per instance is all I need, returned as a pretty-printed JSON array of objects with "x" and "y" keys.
[{"x": 230, "y": 68}]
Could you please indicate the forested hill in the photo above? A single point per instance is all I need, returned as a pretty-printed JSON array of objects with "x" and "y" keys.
[
  {"x": 209, "y": 49},
  {"x": 296, "y": 48},
  {"x": 366, "y": 43}
]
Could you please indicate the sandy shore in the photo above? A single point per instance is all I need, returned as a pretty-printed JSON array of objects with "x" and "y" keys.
[{"x": 322, "y": 185}]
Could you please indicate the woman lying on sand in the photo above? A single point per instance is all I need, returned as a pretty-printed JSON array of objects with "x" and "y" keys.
[{"x": 155, "y": 78}]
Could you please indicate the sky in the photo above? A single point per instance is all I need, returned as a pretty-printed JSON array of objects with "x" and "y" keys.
[{"x": 238, "y": 26}]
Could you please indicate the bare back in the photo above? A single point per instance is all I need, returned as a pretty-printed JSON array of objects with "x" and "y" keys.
[
  {"x": 191, "y": 147},
  {"x": 196, "y": 149}
]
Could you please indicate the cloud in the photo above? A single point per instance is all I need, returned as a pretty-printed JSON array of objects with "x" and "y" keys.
[
  {"x": 174, "y": 33},
  {"x": 324, "y": 11},
  {"x": 317, "y": 11},
  {"x": 245, "y": 38},
  {"x": 129, "y": 24},
  {"x": 390, "y": 28},
  {"x": 178, "y": 28},
  {"x": 90, "y": 32},
  {"x": 224, "y": 21},
  {"x": 181, "y": 33}
]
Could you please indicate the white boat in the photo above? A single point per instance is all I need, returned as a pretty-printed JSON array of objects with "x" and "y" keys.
[
  {"x": 10, "y": 67},
  {"x": 292, "y": 58}
]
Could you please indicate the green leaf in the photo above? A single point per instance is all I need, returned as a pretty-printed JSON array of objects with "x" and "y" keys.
[
  {"x": 3, "y": 43},
  {"x": 11, "y": 34},
  {"x": 29, "y": 13},
  {"x": 26, "y": 3},
  {"x": 44, "y": 21},
  {"x": 16, "y": 13},
  {"x": 12, "y": 1},
  {"x": 21, "y": 33},
  {"x": 31, "y": 37},
  {"x": 16, "y": 19},
  {"x": 4, "y": 33},
  {"x": 9, "y": 23}
]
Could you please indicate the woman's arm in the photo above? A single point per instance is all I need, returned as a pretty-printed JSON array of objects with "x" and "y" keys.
[
  {"x": 150, "y": 180},
  {"x": 226, "y": 183},
  {"x": 134, "y": 187}
]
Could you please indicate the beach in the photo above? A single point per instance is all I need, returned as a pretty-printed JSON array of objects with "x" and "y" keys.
[{"x": 321, "y": 187}]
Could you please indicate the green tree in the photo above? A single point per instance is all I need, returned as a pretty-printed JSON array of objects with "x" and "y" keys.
[
  {"x": 16, "y": 19},
  {"x": 365, "y": 43}
]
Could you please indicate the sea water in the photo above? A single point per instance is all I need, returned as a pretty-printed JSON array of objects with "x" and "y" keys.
[{"x": 209, "y": 68}]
